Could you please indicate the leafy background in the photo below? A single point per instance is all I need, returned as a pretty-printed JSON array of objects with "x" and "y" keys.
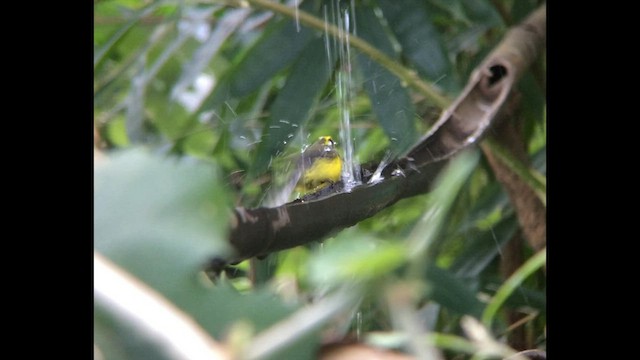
[{"x": 200, "y": 106}]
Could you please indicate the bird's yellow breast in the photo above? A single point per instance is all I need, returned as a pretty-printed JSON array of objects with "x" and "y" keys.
[{"x": 323, "y": 172}]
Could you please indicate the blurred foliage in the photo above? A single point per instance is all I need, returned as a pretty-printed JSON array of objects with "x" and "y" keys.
[{"x": 202, "y": 106}]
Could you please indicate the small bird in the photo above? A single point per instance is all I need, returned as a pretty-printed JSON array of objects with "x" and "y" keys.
[
  {"x": 319, "y": 166},
  {"x": 316, "y": 168}
]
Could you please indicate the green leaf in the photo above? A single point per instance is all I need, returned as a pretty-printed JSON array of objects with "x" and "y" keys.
[
  {"x": 527, "y": 297},
  {"x": 162, "y": 219},
  {"x": 353, "y": 256},
  {"x": 390, "y": 100},
  {"x": 479, "y": 251},
  {"x": 533, "y": 106},
  {"x": 481, "y": 13},
  {"x": 511, "y": 284},
  {"x": 421, "y": 42},
  {"x": 451, "y": 292},
  {"x": 427, "y": 230},
  {"x": 144, "y": 202},
  {"x": 292, "y": 106},
  {"x": 101, "y": 53},
  {"x": 116, "y": 132},
  {"x": 273, "y": 52},
  {"x": 521, "y": 9},
  {"x": 277, "y": 48},
  {"x": 492, "y": 200},
  {"x": 539, "y": 159}
]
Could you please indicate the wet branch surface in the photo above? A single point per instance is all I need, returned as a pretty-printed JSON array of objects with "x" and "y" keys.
[{"x": 260, "y": 231}]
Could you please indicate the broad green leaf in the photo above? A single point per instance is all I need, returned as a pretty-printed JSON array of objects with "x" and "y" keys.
[
  {"x": 272, "y": 53},
  {"x": 475, "y": 19},
  {"x": 481, "y": 13},
  {"x": 479, "y": 251},
  {"x": 171, "y": 205},
  {"x": 101, "y": 53},
  {"x": 427, "y": 230},
  {"x": 162, "y": 219},
  {"x": 115, "y": 132},
  {"x": 478, "y": 211},
  {"x": 539, "y": 160},
  {"x": 279, "y": 45},
  {"x": 533, "y": 105},
  {"x": 201, "y": 143},
  {"x": 390, "y": 100},
  {"x": 491, "y": 201},
  {"x": 421, "y": 42},
  {"x": 170, "y": 118},
  {"x": 292, "y": 106},
  {"x": 451, "y": 292},
  {"x": 521, "y": 9},
  {"x": 277, "y": 48},
  {"x": 525, "y": 296},
  {"x": 353, "y": 256}
]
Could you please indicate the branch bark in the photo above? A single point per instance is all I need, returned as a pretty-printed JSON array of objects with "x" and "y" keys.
[{"x": 260, "y": 231}]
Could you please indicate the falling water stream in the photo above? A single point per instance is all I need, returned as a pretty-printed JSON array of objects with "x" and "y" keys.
[
  {"x": 351, "y": 177},
  {"x": 351, "y": 167},
  {"x": 336, "y": 48}
]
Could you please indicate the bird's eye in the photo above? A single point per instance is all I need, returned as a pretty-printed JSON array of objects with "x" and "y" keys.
[{"x": 327, "y": 140}]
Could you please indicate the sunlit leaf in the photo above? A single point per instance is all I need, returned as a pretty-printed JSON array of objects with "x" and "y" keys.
[
  {"x": 101, "y": 53},
  {"x": 512, "y": 284},
  {"x": 354, "y": 258}
]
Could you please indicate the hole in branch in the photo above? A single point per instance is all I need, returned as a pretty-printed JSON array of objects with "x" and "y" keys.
[{"x": 497, "y": 73}]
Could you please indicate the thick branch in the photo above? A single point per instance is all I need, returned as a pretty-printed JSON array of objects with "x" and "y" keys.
[
  {"x": 529, "y": 207},
  {"x": 263, "y": 230}
]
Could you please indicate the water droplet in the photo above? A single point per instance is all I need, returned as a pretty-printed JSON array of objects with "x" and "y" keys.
[
  {"x": 358, "y": 324},
  {"x": 377, "y": 174},
  {"x": 297, "y": 16}
]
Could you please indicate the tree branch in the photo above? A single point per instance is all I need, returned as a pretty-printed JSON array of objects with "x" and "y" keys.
[{"x": 262, "y": 230}]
